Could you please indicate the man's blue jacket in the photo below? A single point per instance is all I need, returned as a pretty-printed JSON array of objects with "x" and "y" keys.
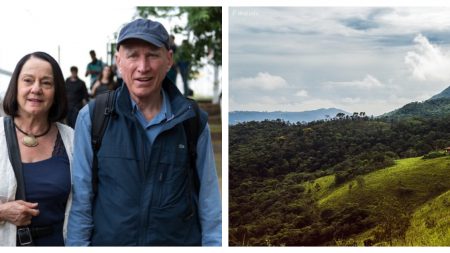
[{"x": 145, "y": 191}]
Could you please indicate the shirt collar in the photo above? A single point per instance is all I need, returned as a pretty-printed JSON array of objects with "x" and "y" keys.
[{"x": 164, "y": 114}]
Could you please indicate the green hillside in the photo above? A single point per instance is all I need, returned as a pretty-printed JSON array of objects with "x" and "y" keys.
[
  {"x": 344, "y": 181},
  {"x": 430, "y": 108},
  {"x": 430, "y": 224},
  {"x": 321, "y": 186},
  {"x": 390, "y": 198}
]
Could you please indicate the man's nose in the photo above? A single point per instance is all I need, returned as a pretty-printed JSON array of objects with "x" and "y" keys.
[{"x": 144, "y": 65}]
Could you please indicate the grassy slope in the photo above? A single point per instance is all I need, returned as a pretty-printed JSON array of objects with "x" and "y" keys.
[
  {"x": 394, "y": 191},
  {"x": 430, "y": 224},
  {"x": 326, "y": 186}
]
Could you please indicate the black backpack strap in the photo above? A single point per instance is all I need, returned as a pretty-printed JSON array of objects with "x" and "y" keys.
[
  {"x": 14, "y": 156},
  {"x": 100, "y": 110},
  {"x": 192, "y": 131},
  {"x": 24, "y": 237}
]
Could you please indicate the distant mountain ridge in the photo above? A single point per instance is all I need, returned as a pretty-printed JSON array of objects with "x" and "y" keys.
[
  {"x": 428, "y": 108},
  {"x": 444, "y": 94},
  {"x": 437, "y": 105},
  {"x": 236, "y": 117}
]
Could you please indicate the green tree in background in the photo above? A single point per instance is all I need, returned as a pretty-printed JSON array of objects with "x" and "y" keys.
[{"x": 203, "y": 28}]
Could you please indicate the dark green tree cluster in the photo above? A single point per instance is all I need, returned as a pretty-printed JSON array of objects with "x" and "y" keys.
[
  {"x": 269, "y": 161},
  {"x": 427, "y": 109},
  {"x": 270, "y": 149},
  {"x": 204, "y": 28}
]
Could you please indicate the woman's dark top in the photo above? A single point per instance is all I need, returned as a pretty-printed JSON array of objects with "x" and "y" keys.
[
  {"x": 48, "y": 183},
  {"x": 104, "y": 87}
]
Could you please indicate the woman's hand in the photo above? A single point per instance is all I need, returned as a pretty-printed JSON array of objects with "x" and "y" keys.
[{"x": 18, "y": 212}]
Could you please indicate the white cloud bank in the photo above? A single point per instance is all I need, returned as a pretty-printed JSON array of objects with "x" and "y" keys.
[
  {"x": 428, "y": 62},
  {"x": 301, "y": 93},
  {"x": 368, "y": 82},
  {"x": 262, "y": 81}
]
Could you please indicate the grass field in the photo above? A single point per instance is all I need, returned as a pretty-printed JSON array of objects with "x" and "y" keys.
[
  {"x": 430, "y": 224},
  {"x": 324, "y": 188},
  {"x": 413, "y": 190}
]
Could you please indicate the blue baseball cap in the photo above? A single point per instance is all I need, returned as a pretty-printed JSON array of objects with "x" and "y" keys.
[{"x": 147, "y": 30}]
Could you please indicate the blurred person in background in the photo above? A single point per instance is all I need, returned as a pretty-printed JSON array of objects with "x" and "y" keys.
[
  {"x": 94, "y": 68},
  {"x": 104, "y": 82},
  {"x": 77, "y": 96}
]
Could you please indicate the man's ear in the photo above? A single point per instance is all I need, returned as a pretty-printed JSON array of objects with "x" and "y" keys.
[
  {"x": 116, "y": 56},
  {"x": 170, "y": 59}
]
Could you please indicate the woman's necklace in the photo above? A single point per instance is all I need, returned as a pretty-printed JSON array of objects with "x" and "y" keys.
[{"x": 30, "y": 140}]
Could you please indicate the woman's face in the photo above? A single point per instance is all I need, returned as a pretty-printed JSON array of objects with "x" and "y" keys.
[
  {"x": 106, "y": 71},
  {"x": 35, "y": 88}
]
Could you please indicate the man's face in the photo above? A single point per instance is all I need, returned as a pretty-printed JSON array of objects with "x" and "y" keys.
[{"x": 143, "y": 67}]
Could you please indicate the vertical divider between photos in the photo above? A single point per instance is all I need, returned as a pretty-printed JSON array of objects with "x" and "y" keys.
[{"x": 224, "y": 113}]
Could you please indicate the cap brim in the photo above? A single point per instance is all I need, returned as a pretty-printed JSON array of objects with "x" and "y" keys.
[{"x": 145, "y": 37}]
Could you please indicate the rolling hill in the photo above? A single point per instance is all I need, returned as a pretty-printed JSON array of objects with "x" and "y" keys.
[
  {"x": 414, "y": 191},
  {"x": 437, "y": 105},
  {"x": 349, "y": 181},
  {"x": 443, "y": 94},
  {"x": 430, "y": 224},
  {"x": 426, "y": 109}
]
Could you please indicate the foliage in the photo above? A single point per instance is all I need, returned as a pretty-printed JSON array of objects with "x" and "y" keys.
[
  {"x": 434, "y": 154},
  {"x": 324, "y": 148},
  {"x": 427, "y": 109},
  {"x": 325, "y": 182},
  {"x": 204, "y": 27}
]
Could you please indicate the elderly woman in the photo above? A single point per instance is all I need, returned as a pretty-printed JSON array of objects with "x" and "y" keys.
[{"x": 35, "y": 101}]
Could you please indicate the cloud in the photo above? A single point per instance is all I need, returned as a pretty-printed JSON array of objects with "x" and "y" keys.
[
  {"x": 301, "y": 93},
  {"x": 360, "y": 24},
  {"x": 263, "y": 81},
  {"x": 349, "y": 100},
  {"x": 275, "y": 104},
  {"x": 361, "y": 52},
  {"x": 367, "y": 83},
  {"x": 428, "y": 62}
]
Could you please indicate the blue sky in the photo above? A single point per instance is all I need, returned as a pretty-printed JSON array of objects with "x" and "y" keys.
[{"x": 353, "y": 58}]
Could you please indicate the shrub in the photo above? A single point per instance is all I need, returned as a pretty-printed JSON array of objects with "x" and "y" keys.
[
  {"x": 403, "y": 191},
  {"x": 434, "y": 154}
]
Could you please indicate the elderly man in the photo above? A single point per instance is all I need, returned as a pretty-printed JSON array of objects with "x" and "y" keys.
[{"x": 147, "y": 193}]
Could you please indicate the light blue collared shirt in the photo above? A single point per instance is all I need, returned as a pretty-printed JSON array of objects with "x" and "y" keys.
[
  {"x": 80, "y": 223},
  {"x": 153, "y": 127}
]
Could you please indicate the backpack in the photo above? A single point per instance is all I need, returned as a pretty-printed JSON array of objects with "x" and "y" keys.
[{"x": 101, "y": 110}]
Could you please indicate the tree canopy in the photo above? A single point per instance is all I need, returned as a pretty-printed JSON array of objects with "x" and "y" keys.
[
  {"x": 203, "y": 27},
  {"x": 278, "y": 172}
]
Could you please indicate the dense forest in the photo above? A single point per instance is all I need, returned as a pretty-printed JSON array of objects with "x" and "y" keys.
[{"x": 350, "y": 180}]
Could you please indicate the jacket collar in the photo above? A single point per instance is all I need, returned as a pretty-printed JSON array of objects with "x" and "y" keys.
[{"x": 181, "y": 108}]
